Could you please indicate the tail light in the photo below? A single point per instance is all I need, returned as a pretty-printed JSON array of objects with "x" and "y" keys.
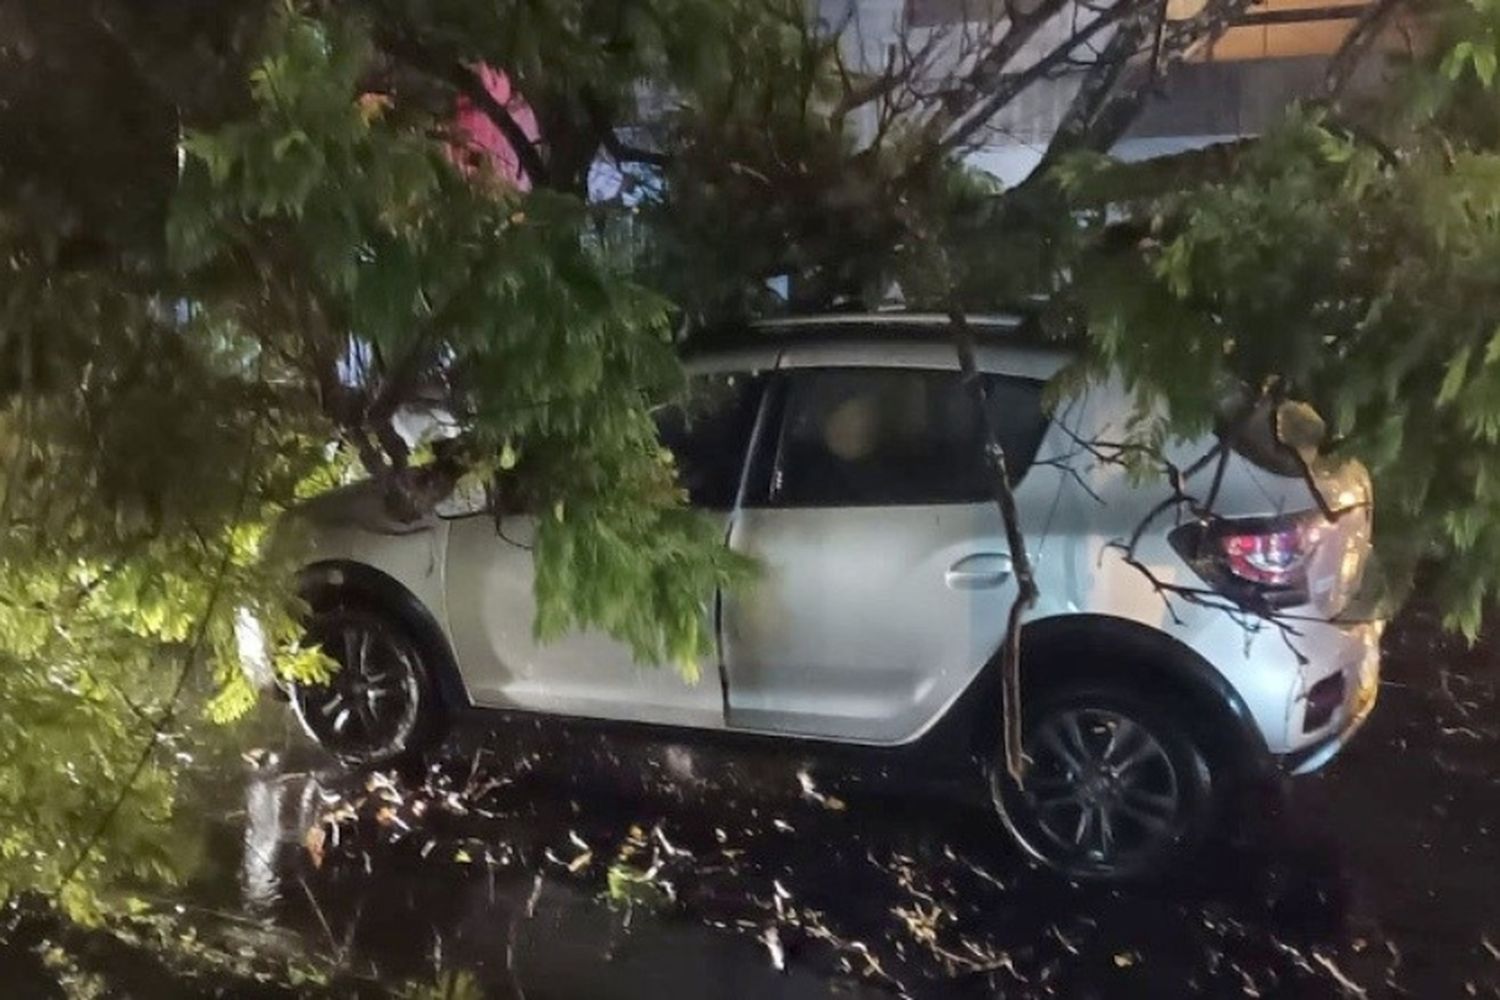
[{"x": 1256, "y": 562}]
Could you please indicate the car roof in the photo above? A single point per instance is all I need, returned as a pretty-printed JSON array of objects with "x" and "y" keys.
[{"x": 1004, "y": 343}]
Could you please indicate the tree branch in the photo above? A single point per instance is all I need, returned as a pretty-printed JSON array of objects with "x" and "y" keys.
[
  {"x": 1005, "y": 499},
  {"x": 1102, "y": 114},
  {"x": 624, "y": 152},
  {"x": 1371, "y": 24},
  {"x": 1101, "y": 80},
  {"x": 1008, "y": 87},
  {"x": 620, "y": 151}
]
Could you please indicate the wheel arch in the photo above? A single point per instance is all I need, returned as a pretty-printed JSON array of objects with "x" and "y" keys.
[
  {"x": 1069, "y": 647},
  {"x": 1065, "y": 647},
  {"x": 328, "y": 579}
]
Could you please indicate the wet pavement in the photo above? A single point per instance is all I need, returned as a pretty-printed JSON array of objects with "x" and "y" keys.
[{"x": 537, "y": 861}]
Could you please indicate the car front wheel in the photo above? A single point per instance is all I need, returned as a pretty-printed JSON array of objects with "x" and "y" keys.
[
  {"x": 1115, "y": 787},
  {"x": 379, "y": 705}
]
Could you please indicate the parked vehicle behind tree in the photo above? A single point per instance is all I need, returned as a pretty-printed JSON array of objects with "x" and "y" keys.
[{"x": 1169, "y": 655}]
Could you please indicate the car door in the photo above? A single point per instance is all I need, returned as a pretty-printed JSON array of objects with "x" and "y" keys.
[
  {"x": 886, "y": 578},
  {"x": 491, "y": 605}
]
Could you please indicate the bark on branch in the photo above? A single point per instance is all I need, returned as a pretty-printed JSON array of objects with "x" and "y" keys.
[
  {"x": 1005, "y": 499},
  {"x": 1112, "y": 96},
  {"x": 1361, "y": 38}
]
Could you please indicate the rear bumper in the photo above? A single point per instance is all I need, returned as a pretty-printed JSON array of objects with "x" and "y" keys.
[
  {"x": 1363, "y": 689},
  {"x": 1311, "y": 758}
]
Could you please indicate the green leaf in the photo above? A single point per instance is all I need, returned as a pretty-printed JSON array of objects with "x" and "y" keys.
[
  {"x": 1454, "y": 376},
  {"x": 1492, "y": 349},
  {"x": 284, "y": 144},
  {"x": 1457, "y": 59},
  {"x": 1335, "y": 148},
  {"x": 1485, "y": 63}
]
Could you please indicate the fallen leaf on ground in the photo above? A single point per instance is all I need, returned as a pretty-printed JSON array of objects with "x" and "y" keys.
[{"x": 771, "y": 938}]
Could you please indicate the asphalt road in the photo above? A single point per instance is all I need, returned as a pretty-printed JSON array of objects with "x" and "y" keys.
[{"x": 540, "y": 862}]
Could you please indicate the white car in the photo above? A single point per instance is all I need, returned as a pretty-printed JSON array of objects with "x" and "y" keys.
[{"x": 844, "y": 455}]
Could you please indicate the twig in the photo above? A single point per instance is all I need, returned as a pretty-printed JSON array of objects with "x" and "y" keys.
[
  {"x": 1250, "y": 618},
  {"x": 333, "y": 941}
]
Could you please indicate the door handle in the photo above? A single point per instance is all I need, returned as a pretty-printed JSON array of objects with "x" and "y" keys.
[{"x": 979, "y": 571}]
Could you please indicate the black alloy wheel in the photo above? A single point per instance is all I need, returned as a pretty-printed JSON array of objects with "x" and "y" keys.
[
  {"x": 376, "y": 706},
  {"x": 1114, "y": 788}
]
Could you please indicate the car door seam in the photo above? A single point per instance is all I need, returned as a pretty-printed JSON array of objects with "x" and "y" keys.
[{"x": 752, "y": 450}]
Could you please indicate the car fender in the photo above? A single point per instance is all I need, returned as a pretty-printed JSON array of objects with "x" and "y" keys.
[
  {"x": 333, "y": 578},
  {"x": 1064, "y": 646}
]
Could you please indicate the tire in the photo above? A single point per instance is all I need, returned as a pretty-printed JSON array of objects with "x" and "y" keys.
[
  {"x": 1117, "y": 787},
  {"x": 381, "y": 705}
]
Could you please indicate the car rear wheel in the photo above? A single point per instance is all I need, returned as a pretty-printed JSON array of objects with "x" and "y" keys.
[
  {"x": 380, "y": 705},
  {"x": 1116, "y": 786}
]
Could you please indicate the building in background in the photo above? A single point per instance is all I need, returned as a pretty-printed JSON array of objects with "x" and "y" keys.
[{"x": 1275, "y": 53}]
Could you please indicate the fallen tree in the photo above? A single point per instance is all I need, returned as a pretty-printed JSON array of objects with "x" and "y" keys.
[{"x": 245, "y": 234}]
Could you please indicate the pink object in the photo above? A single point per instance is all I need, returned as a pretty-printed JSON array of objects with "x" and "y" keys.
[{"x": 479, "y": 140}]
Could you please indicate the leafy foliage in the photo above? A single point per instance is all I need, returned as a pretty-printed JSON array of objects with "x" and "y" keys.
[
  {"x": 1346, "y": 262},
  {"x": 553, "y": 355},
  {"x": 285, "y": 254},
  {"x": 124, "y": 557},
  {"x": 325, "y": 262}
]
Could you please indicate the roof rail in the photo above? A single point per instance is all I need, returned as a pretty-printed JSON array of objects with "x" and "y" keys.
[{"x": 888, "y": 318}]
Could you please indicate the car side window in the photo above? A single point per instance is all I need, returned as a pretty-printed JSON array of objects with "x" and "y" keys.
[
  {"x": 708, "y": 432},
  {"x": 894, "y": 436}
]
